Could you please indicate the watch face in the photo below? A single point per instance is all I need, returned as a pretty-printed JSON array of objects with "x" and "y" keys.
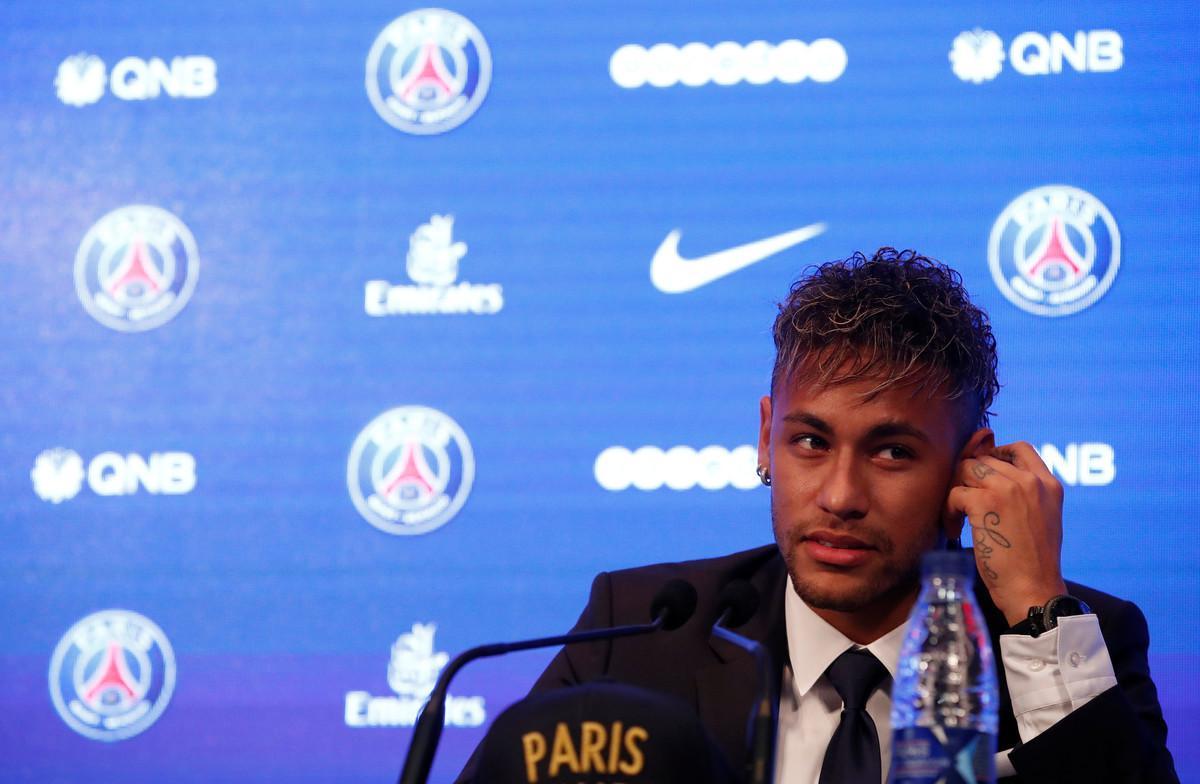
[{"x": 1061, "y": 607}]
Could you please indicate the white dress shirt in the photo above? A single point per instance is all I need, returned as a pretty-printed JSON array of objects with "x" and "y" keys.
[{"x": 1048, "y": 677}]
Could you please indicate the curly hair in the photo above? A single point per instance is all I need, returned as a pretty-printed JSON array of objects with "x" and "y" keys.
[{"x": 897, "y": 317}]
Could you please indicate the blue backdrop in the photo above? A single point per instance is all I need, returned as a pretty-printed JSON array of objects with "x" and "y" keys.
[{"x": 330, "y": 345}]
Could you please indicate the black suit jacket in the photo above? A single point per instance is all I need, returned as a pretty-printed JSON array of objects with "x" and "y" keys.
[{"x": 1119, "y": 736}]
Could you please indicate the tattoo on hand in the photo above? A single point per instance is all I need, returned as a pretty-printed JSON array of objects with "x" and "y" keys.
[
  {"x": 981, "y": 471},
  {"x": 987, "y": 539}
]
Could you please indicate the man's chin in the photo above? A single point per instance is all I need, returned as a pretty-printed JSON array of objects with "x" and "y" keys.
[
  {"x": 852, "y": 592},
  {"x": 840, "y": 598}
]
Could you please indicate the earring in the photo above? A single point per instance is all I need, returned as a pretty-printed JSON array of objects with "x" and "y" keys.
[{"x": 764, "y": 475}]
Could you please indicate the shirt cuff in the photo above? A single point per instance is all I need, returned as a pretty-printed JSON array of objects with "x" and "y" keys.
[
  {"x": 1060, "y": 671},
  {"x": 1004, "y": 766}
]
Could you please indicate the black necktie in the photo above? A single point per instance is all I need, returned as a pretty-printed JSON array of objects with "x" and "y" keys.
[{"x": 853, "y": 753}]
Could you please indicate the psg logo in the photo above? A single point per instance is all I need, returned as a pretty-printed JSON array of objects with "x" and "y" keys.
[
  {"x": 111, "y": 675},
  {"x": 410, "y": 470},
  {"x": 428, "y": 71},
  {"x": 136, "y": 268},
  {"x": 1054, "y": 250}
]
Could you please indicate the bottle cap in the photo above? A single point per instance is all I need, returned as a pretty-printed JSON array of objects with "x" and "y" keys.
[{"x": 958, "y": 563}]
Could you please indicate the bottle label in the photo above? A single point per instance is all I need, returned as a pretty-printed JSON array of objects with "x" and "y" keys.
[{"x": 939, "y": 755}]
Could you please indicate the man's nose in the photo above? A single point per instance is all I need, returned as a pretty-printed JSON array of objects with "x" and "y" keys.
[{"x": 843, "y": 492}]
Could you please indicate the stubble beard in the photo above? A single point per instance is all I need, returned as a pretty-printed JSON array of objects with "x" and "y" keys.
[{"x": 896, "y": 581}]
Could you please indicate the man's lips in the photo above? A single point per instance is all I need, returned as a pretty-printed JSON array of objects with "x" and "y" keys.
[{"x": 837, "y": 549}]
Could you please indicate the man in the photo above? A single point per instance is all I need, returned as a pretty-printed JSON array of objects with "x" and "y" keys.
[{"x": 874, "y": 443}]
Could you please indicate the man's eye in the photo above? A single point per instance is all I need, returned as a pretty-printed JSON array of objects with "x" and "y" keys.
[
  {"x": 809, "y": 441},
  {"x": 894, "y": 452}
]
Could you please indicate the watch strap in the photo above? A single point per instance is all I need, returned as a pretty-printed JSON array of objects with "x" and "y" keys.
[{"x": 1026, "y": 628}]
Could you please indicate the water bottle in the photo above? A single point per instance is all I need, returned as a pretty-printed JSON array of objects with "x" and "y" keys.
[{"x": 944, "y": 700}]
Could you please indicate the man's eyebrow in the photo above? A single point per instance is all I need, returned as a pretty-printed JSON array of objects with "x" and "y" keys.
[
  {"x": 891, "y": 429},
  {"x": 882, "y": 430},
  {"x": 815, "y": 422}
]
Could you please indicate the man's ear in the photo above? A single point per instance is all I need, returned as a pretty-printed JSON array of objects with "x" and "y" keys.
[
  {"x": 981, "y": 442},
  {"x": 764, "y": 431}
]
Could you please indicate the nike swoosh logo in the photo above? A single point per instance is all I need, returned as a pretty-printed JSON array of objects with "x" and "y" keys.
[{"x": 672, "y": 274}]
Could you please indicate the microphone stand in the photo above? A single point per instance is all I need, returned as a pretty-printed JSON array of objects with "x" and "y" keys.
[{"x": 764, "y": 718}]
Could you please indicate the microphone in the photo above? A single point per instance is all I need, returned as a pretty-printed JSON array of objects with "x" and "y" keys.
[
  {"x": 671, "y": 608},
  {"x": 738, "y": 602}
]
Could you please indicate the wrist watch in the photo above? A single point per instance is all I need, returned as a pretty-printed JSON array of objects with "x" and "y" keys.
[{"x": 1043, "y": 618}]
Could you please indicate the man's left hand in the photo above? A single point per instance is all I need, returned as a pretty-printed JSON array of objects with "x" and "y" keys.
[{"x": 1014, "y": 506}]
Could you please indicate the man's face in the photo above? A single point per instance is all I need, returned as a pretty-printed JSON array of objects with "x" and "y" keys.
[{"x": 858, "y": 487}]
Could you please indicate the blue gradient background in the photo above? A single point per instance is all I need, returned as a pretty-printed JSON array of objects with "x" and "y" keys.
[{"x": 277, "y": 597}]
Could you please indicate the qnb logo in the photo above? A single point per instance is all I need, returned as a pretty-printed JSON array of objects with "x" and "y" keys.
[
  {"x": 81, "y": 78},
  {"x": 677, "y": 468},
  {"x": 112, "y": 675},
  {"x": 412, "y": 672},
  {"x": 727, "y": 63},
  {"x": 432, "y": 263},
  {"x": 1088, "y": 463},
  {"x": 978, "y": 55},
  {"x": 59, "y": 474}
]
